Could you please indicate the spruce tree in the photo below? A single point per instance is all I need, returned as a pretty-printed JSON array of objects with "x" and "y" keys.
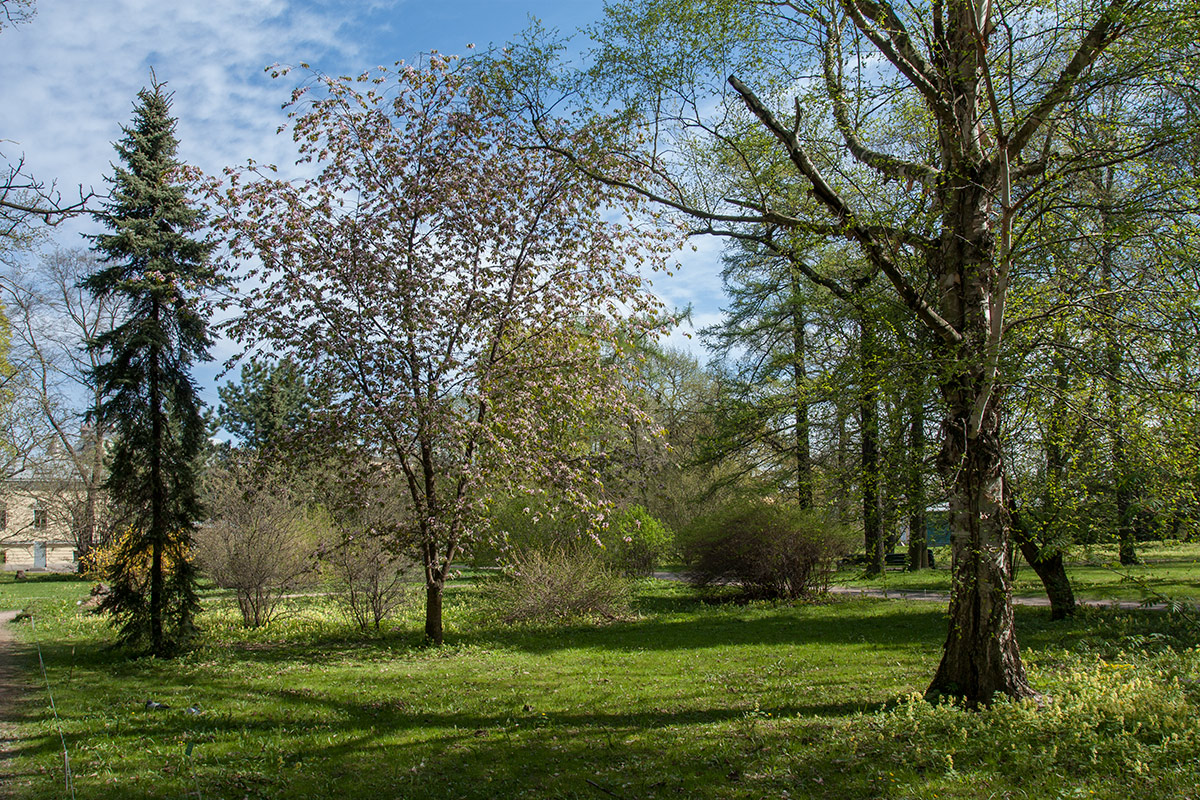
[{"x": 152, "y": 260}]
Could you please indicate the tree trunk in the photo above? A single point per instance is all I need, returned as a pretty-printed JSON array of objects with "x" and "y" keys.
[
  {"x": 1122, "y": 478},
  {"x": 869, "y": 415},
  {"x": 918, "y": 544},
  {"x": 1126, "y": 529},
  {"x": 88, "y": 537},
  {"x": 842, "y": 460},
  {"x": 433, "y": 612},
  {"x": 158, "y": 502},
  {"x": 981, "y": 658},
  {"x": 804, "y": 487},
  {"x": 1049, "y": 568}
]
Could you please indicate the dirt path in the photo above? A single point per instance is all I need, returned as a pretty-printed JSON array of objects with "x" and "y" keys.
[{"x": 12, "y": 690}]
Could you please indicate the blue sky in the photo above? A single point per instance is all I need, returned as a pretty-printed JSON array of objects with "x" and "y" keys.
[{"x": 70, "y": 77}]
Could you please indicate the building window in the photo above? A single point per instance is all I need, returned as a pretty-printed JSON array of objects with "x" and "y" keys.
[
  {"x": 39, "y": 518},
  {"x": 3, "y": 516}
]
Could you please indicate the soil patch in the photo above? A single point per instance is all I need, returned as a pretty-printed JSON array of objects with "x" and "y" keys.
[{"x": 14, "y": 690}]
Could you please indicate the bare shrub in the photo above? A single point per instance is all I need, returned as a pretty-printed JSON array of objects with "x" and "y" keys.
[
  {"x": 371, "y": 579},
  {"x": 258, "y": 543},
  {"x": 558, "y": 584},
  {"x": 769, "y": 549},
  {"x": 369, "y": 554}
]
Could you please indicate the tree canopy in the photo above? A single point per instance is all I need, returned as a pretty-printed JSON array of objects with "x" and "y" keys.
[
  {"x": 925, "y": 137},
  {"x": 452, "y": 293}
]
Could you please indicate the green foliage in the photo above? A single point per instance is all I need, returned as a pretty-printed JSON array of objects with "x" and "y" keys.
[
  {"x": 766, "y": 547},
  {"x": 655, "y": 459},
  {"x": 770, "y": 377},
  {"x": 558, "y": 585},
  {"x": 1132, "y": 715},
  {"x": 126, "y": 566},
  {"x": 521, "y": 524},
  {"x": 270, "y": 408},
  {"x": 788, "y": 124},
  {"x": 635, "y": 542},
  {"x": 151, "y": 261}
]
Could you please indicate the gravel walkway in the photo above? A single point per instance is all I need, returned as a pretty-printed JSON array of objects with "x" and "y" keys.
[{"x": 897, "y": 594}]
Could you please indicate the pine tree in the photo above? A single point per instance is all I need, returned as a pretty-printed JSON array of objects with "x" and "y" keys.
[{"x": 154, "y": 264}]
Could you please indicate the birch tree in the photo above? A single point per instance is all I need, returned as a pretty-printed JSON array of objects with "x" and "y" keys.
[{"x": 916, "y": 134}]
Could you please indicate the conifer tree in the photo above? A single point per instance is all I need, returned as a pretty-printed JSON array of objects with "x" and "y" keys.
[
  {"x": 153, "y": 262},
  {"x": 767, "y": 388}
]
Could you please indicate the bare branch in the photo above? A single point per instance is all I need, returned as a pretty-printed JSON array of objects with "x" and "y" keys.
[
  {"x": 890, "y": 36},
  {"x": 887, "y": 165},
  {"x": 841, "y": 210},
  {"x": 1110, "y": 25},
  {"x": 23, "y": 198}
]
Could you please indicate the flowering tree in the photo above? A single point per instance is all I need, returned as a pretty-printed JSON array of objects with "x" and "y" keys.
[{"x": 455, "y": 294}]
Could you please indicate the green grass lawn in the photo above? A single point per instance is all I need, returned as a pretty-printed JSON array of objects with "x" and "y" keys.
[
  {"x": 40, "y": 589},
  {"x": 685, "y": 699},
  {"x": 1171, "y": 570}
]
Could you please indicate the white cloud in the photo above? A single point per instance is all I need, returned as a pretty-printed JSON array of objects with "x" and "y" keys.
[
  {"x": 687, "y": 336},
  {"x": 72, "y": 74},
  {"x": 696, "y": 280},
  {"x": 70, "y": 78}
]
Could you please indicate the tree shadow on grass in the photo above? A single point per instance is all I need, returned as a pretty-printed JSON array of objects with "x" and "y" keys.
[
  {"x": 396, "y": 735},
  {"x": 369, "y": 749},
  {"x": 878, "y": 624},
  {"x": 859, "y": 622},
  {"x": 511, "y": 747},
  {"x": 882, "y": 625}
]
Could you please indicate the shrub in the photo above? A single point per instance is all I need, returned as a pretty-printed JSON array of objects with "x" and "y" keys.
[
  {"x": 102, "y": 561},
  {"x": 558, "y": 584},
  {"x": 123, "y": 565},
  {"x": 636, "y": 542},
  {"x": 769, "y": 549},
  {"x": 371, "y": 578},
  {"x": 259, "y": 544},
  {"x": 523, "y": 523}
]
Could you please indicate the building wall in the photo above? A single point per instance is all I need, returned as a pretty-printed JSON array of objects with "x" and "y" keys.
[
  {"x": 59, "y": 557},
  {"x": 20, "y": 534}
]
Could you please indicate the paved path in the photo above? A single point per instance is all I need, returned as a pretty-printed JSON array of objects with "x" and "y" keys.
[
  {"x": 1044, "y": 602},
  {"x": 12, "y": 690},
  {"x": 938, "y": 597}
]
